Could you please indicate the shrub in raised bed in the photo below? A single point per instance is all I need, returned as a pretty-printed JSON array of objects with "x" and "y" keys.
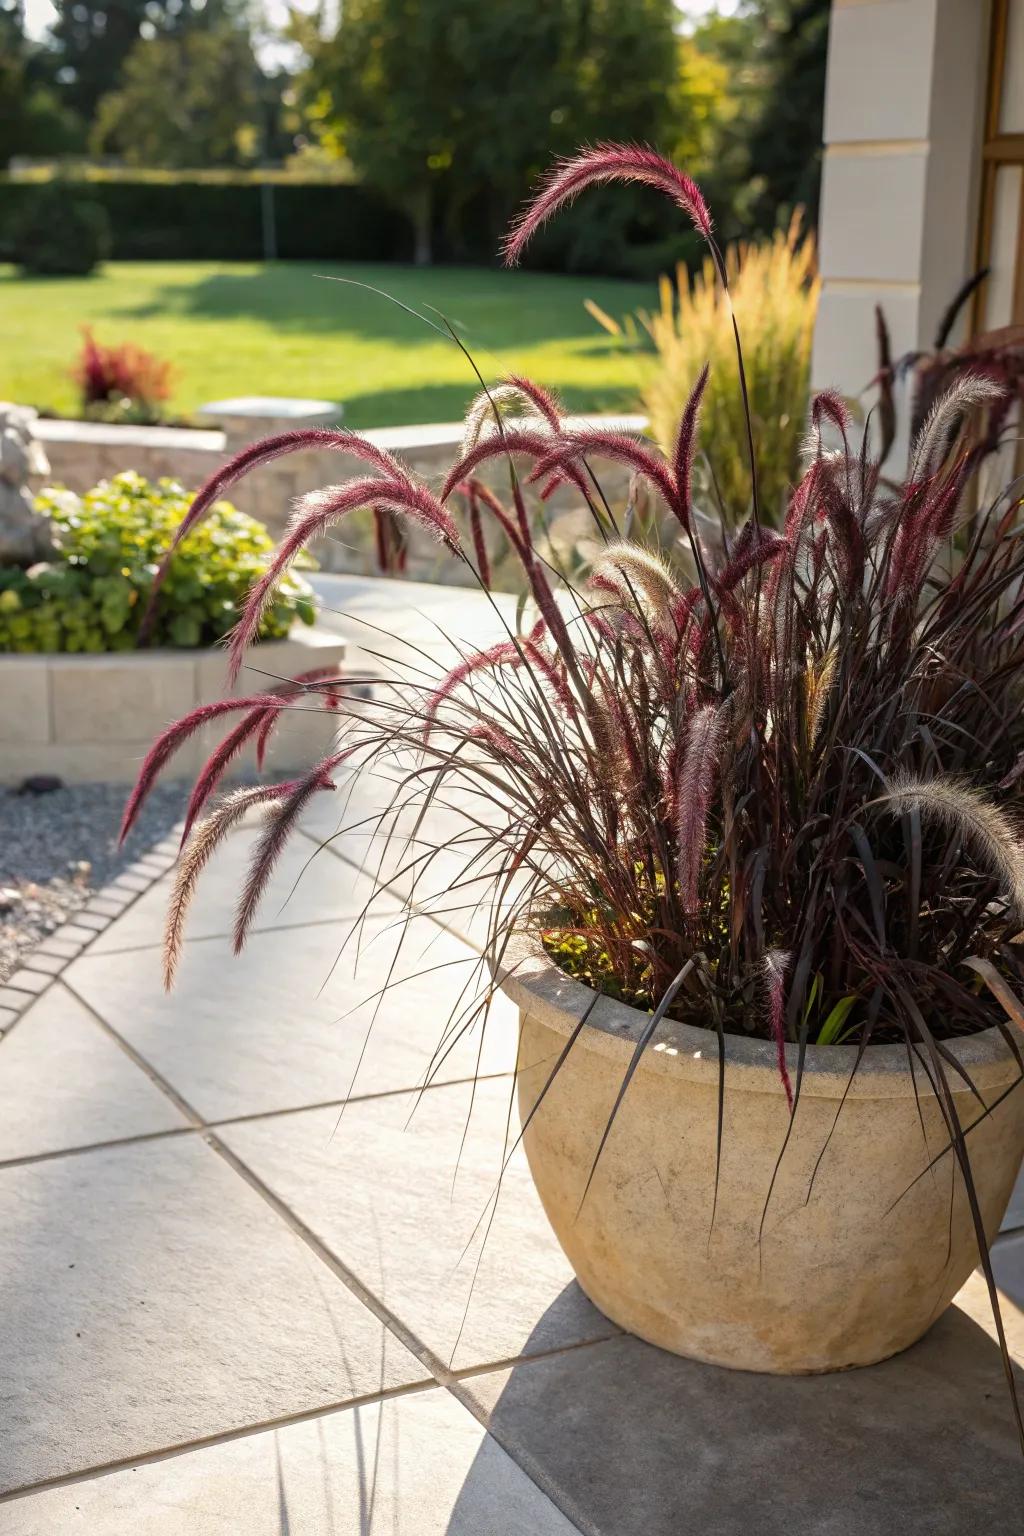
[{"x": 92, "y": 595}]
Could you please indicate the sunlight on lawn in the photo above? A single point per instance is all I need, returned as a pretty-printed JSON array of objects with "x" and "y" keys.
[{"x": 240, "y": 328}]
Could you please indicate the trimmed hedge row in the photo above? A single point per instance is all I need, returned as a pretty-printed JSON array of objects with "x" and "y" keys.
[{"x": 185, "y": 220}]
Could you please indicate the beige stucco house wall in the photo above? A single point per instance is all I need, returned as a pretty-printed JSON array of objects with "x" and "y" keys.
[{"x": 922, "y": 175}]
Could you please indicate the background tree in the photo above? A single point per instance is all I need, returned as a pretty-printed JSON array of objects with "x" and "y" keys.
[
  {"x": 450, "y": 107},
  {"x": 767, "y": 159},
  {"x": 185, "y": 99},
  {"x": 33, "y": 118},
  {"x": 93, "y": 38}
]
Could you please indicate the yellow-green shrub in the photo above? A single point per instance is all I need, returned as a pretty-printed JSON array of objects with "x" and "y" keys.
[
  {"x": 774, "y": 288},
  {"x": 91, "y": 595}
]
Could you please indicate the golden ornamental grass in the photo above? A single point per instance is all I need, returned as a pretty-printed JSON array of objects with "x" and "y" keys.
[{"x": 774, "y": 288}]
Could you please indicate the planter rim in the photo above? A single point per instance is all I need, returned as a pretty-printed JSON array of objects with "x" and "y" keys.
[{"x": 540, "y": 988}]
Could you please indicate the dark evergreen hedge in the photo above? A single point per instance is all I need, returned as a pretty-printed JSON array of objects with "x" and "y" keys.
[{"x": 179, "y": 220}]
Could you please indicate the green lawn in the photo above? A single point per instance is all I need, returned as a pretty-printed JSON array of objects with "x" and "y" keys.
[{"x": 241, "y": 328}]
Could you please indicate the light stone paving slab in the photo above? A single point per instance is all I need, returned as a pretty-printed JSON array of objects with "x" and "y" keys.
[
  {"x": 399, "y": 1204},
  {"x": 151, "y": 1297},
  {"x": 419, "y": 1465},
  {"x": 28, "y": 981},
  {"x": 15, "y": 1000},
  {"x": 92, "y": 922},
  {"x": 59, "y": 949},
  {"x": 64, "y": 1083},
  {"x": 632, "y": 1441},
  {"x": 285, "y": 1024},
  {"x": 71, "y": 933},
  {"x": 106, "y": 907},
  {"x": 1014, "y": 1217},
  {"x": 307, "y": 886},
  {"x": 1008, "y": 1268},
  {"x": 437, "y": 862},
  {"x": 52, "y": 965}
]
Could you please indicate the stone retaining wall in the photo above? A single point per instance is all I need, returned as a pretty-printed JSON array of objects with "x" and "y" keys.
[
  {"x": 94, "y": 717},
  {"x": 82, "y": 453}
]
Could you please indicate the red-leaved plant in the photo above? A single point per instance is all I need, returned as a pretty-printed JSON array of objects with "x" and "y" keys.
[
  {"x": 112, "y": 376},
  {"x": 783, "y": 795}
]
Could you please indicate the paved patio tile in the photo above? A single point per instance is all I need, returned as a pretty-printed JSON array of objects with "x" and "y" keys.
[
  {"x": 92, "y": 922},
  {"x": 327, "y": 887},
  {"x": 399, "y": 1206},
  {"x": 71, "y": 933},
  {"x": 1008, "y": 1267},
  {"x": 1015, "y": 1210},
  {"x": 65, "y": 1083},
  {"x": 635, "y": 1442},
  {"x": 52, "y": 965},
  {"x": 107, "y": 906},
  {"x": 28, "y": 981},
  {"x": 276, "y": 1028},
  {"x": 448, "y": 884},
  {"x": 152, "y": 1297},
  {"x": 14, "y": 1000},
  {"x": 60, "y": 949},
  {"x": 411, "y": 1466}
]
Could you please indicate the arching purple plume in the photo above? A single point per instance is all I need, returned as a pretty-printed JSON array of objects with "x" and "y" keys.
[
  {"x": 264, "y": 452},
  {"x": 593, "y": 167}
]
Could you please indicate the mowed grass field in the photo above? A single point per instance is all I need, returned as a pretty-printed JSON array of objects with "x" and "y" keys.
[{"x": 280, "y": 329}]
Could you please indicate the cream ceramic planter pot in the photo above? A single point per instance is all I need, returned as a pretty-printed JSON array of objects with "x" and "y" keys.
[{"x": 846, "y": 1277}]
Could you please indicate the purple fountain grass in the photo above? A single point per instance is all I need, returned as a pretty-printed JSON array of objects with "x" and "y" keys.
[
  {"x": 739, "y": 799},
  {"x": 592, "y": 167},
  {"x": 169, "y": 741},
  {"x": 686, "y": 443},
  {"x": 318, "y": 512},
  {"x": 204, "y": 839},
  {"x": 698, "y": 770},
  {"x": 286, "y": 808},
  {"x": 256, "y": 454},
  {"x": 776, "y": 964}
]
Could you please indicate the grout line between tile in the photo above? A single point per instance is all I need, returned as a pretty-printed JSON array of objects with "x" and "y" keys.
[
  {"x": 417, "y": 907},
  {"x": 512, "y": 1362},
  {"x": 232, "y": 1120},
  {"x": 95, "y": 1146},
  {"x": 439, "y": 1374},
  {"x": 195, "y": 1120},
  {"x": 225, "y": 1437},
  {"x": 204, "y": 938},
  {"x": 416, "y": 1347},
  {"x": 442, "y": 1374}
]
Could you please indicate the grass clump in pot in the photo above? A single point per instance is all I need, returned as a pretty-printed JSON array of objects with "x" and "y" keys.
[{"x": 779, "y": 800}]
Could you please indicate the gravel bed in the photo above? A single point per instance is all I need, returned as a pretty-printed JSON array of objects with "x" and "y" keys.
[{"x": 58, "y": 848}]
